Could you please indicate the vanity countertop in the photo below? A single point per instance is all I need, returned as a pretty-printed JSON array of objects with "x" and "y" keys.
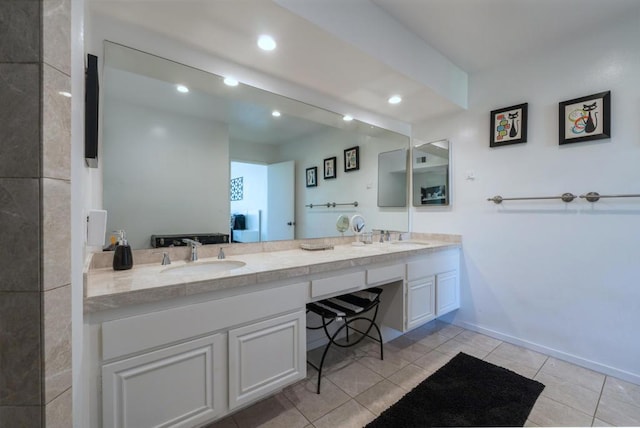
[{"x": 109, "y": 289}]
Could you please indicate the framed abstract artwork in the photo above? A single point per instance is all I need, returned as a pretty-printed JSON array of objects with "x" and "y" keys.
[
  {"x": 330, "y": 168},
  {"x": 312, "y": 176},
  {"x": 509, "y": 125},
  {"x": 352, "y": 159},
  {"x": 585, "y": 118}
]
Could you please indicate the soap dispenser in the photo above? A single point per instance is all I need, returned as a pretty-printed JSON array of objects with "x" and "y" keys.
[{"x": 122, "y": 259}]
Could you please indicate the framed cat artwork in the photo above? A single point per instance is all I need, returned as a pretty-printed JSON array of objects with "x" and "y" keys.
[
  {"x": 585, "y": 119},
  {"x": 509, "y": 125}
]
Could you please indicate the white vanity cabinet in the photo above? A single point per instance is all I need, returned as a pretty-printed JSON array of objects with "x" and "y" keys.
[
  {"x": 420, "y": 301},
  {"x": 433, "y": 287},
  {"x": 189, "y": 364},
  {"x": 177, "y": 386},
  {"x": 266, "y": 356}
]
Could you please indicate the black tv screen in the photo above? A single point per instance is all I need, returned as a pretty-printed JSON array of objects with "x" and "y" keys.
[{"x": 91, "y": 112}]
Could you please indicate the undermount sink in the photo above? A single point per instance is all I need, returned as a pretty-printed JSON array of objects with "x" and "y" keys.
[{"x": 205, "y": 267}]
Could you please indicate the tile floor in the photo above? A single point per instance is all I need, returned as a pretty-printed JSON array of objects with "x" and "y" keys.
[{"x": 358, "y": 386}]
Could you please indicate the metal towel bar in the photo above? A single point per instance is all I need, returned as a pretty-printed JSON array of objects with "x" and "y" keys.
[
  {"x": 332, "y": 204},
  {"x": 566, "y": 197},
  {"x": 595, "y": 196}
]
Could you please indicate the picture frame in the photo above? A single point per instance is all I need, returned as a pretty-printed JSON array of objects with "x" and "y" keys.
[
  {"x": 312, "y": 176},
  {"x": 330, "y": 168},
  {"x": 352, "y": 159},
  {"x": 509, "y": 125},
  {"x": 585, "y": 119}
]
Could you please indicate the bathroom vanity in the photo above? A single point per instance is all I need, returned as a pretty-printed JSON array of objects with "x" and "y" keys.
[{"x": 169, "y": 349}]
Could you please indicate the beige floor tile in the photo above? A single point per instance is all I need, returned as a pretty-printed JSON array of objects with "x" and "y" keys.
[
  {"x": 548, "y": 412},
  {"x": 434, "y": 340},
  {"x": 617, "y": 412},
  {"x": 519, "y": 354},
  {"x": 354, "y": 378},
  {"x": 419, "y": 333},
  {"x": 407, "y": 349},
  {"x": 380, "y": 396},
  {"x": 449, "y": 330},
  {"x": 573, "y": 373},
  {"x": 598, "y": 423},
  {"x": 392, "y": 362},
  {"x": 453, "y": 347},
  {"x": 433, "y": 361},
  {"x": 571, "y": 394},
  {"x": 528, "y": 423},
  {"x": 227, "y": 422},
  {"x": 409, "y": 377},
  {"x": 620, "y": 390},
  {"x": 311, "y": 405},
  {"x": 274, "y": 412},
  {"x": 350, "y": 415},
  {"x": 478, "y": 340},
  {"x": 514, "y": 366}
]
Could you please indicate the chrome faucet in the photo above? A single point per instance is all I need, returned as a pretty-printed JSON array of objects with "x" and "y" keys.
[
  {"x": 165, "y": 258},
  {"x": 194, "y": 248},
  {"x": 221, "y": 254}
]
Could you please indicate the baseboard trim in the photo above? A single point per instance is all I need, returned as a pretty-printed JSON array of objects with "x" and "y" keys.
[{"x": 592, "y": 365}]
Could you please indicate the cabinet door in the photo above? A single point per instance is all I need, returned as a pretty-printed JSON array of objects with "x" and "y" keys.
[
  {"x": 420, "y": 302},
  {"x": 447, "y": 292},
  {"x": 265, "y": 356},
  {"x": 178, "y": 386}
]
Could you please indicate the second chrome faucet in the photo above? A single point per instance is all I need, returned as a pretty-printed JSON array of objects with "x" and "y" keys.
[{"x": 194, "y": 248}]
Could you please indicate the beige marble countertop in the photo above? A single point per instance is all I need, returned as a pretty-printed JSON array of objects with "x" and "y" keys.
[{"x": 108, "y": 289}]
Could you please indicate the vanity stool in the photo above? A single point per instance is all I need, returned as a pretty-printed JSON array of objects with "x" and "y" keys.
[{"x": 347, "y": 308}]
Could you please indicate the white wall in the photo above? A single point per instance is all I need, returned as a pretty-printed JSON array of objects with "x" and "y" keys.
[
  {"x": 360, "y": 185},
  {"x": 562, "y": 278},
  {"x": 160, "y": 167}
]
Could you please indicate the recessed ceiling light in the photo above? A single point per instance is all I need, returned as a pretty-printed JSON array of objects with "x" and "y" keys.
[
  {"x": 347, "y": 118},
  {"x": 230, "y": 81},
  {"x": 395, "y": 99},
  {"x": 65, "y": 94},
  {"x": 181, "y": 88},
  {"x": 275, "y": 113},
  {"x": 266, "y": 42}
]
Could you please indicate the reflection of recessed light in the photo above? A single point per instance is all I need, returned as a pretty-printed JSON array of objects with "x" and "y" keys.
[
  {"x": 65, "y": 94},
  {"x": 182, "y": 88},
  {"x": 230, "y": 81},
  {"x": 266, "y": 42},
  {"x": 395, "y": 99},
  {"x": 275, "y": 113},
  {"x": 347, "y": 118}
]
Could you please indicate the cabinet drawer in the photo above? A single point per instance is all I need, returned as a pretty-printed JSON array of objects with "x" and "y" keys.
[
  {"x": 138, "y": 333},
  {"x": 336, "y": 284},
  {"x": 432, "y": 264},
  {"x": 385, "y": 274}
]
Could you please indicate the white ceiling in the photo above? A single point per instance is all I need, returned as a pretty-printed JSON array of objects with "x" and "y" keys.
[{"x": 473, "y": 34}]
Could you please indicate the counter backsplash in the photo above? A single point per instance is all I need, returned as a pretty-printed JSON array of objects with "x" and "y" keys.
[{"x": 154, "y": 255}]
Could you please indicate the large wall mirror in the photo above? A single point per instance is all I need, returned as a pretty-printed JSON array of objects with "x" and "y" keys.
[
  {"x": 431, "y": 166},
  {"x": 184, "y": 153}
]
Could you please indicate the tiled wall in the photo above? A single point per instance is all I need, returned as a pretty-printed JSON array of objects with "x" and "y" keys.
[{"x": 35, "y": 142}]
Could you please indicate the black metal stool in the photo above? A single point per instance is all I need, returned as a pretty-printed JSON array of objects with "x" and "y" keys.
[{"x": 350, "y": 308}]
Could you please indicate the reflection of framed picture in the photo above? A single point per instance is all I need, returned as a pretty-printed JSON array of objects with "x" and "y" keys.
[
  {"x": 312, "y": 176},
  {"x": 352, "y": 159},
  {"x": 435, "y": 195},
  {"x": 585, "y": 119},
  {"x": 509, "y": 125},
  {"x": 330, "y": 168}
]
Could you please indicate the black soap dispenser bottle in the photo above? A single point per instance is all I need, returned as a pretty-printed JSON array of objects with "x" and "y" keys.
[{"x": 122, "y": 258}]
